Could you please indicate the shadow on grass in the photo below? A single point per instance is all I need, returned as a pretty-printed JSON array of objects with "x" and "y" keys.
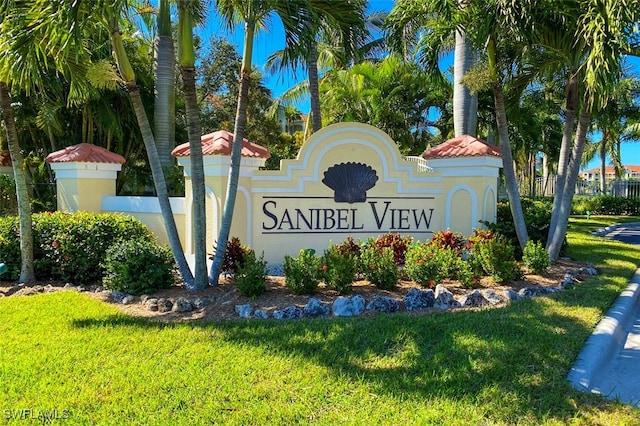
[{"x": 510, "y": 361}]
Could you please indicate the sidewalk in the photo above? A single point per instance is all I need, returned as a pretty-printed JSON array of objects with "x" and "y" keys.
[{"x": 609, "y": 363}]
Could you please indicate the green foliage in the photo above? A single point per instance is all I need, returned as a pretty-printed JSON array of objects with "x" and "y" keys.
[
  {"x": 250, "y": 277},
  {"x": 449, "y": 239},
  {"x": 497, "y": 258},
  {"x": 8, "y": 201},
  {"x": 537, "y": 217},
  {"x": 68, "y": 247},
  {"x": 339, "y": 268},
  {"x": 378, "y": 266},
  {"x": 138, "y": 267},
  {"x": 428, "y": 264},
  {"x": 535, "y": 257},
  {"x": 606, "y": 205},
  {"x": 235, "y": 255},
  {"x": 397, "y": 243},
  {"x": 302, "y": 273}
]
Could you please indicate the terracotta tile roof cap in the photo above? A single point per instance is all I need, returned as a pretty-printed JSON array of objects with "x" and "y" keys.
[
  {"x": 220, "y": 143},
  {"x": 84, "y": 153},
  {"x": 462, "y": 146}
]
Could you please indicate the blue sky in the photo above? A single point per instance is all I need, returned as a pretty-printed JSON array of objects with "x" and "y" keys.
[{"x": 268, "y": 42}]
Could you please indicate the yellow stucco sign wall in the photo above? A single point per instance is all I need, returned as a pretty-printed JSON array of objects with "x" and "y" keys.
[{"x": 349, "y": 179}]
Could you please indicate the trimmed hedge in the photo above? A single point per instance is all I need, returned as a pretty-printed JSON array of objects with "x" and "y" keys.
[
  {"x": 606, "y": 205},
  {"x": 68, "y": 247}
]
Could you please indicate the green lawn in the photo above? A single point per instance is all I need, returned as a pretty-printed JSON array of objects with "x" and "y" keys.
[{"x": 70, "y": 353}]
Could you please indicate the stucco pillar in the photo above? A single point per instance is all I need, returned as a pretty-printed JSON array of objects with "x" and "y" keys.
[{"x": 84, "y": 174}]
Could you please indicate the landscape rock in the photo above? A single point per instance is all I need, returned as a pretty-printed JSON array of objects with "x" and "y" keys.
[
  {"x": 129, "y": 299},
  {"x": 493, "y": 297},
  {"x": 244, "y": 311},
  {"x": 164, "y": 305},
  {"x": 314, "y": 308},
  {"x": 511, "y": 295},
  {"x": 151, "y": 304},
  {"x": 182, "y": 305},
  {"x": 200, "y": 302},
  {"x": 348, "y": 306},
  {"x": 116, "y": 296},
  {"x": 49, "y": 289},
  {"x": 261, "y": 314},
  {"x": 290, "y": 312},
  {"x": 419, "y": 300},
  {"x": 589, "y": 270},
  {"x": 383, "y": 304},
  {"x": 473, "y": 300},
  {"x": 535, "y": 291},
  {"x": 445, "y": 299}
]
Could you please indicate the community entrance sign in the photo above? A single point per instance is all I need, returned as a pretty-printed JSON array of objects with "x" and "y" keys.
[{"x": 349, "y": 179}]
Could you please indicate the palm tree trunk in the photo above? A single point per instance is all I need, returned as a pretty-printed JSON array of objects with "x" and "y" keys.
[
  {"x": 165, "y": 105},
  {"x": 558, "y": 233},
  {"x": 27, "y": 273},
  {"x": 128, "y": 75},
  {"x": 465, "y": 105},
  {"x": 159, "y": 182},
  {"x": 312, "y": 67},
  {"x": 507, "y": 164},
  {"x": 565, "y": 148},
  {"x": 603, "y": 163},
  {"x": 197, "y": 177},
  {"x": 236, "y": 151}
]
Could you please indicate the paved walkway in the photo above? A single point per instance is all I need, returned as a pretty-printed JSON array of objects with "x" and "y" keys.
[{"x": 609, "y": 364}]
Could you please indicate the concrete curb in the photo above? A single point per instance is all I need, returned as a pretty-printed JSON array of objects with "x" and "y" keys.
[
  {"x": 608, "y": 337},
  {"x": 604, "y": 231}
]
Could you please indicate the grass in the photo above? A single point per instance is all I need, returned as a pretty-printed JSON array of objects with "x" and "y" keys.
[{"x": 91, "y": 364}]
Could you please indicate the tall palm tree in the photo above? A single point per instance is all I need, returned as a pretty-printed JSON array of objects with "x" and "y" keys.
[
  {"x": 341, "y": 31},
  {"x": 21, "y": 66},
  {"x": 607, "y": 30},
  {"x": 66, "y": 28},
  {"x": 295, "y": 16},
  {"x": 189, "y": 12},
  {"x": 433, "y": 20}
]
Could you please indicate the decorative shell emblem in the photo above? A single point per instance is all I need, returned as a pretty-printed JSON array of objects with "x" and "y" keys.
[{"x": 350, "y": 181}]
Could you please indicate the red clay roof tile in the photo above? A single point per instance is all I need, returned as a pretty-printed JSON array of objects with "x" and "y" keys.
[
  {"x": 462, "y": 146},
  {"x": 220, "y": 143},
  {"x": 84, "y": 153}
]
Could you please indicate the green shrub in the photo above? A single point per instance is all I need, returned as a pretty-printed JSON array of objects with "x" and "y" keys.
[
  {"x": 537, "y": 217},
  {"x": 397, "y": 243},
  {"x": 449, "y": 239},
  {"x": 468, "y": 273},
  {"x": 535, "y": 257},
  {"x": 67, "y": 246},
  {"x": 138, "y": 267},
  {"x": 378, "y": 266},
  {"x": 606, "y": 205},
  {"x": 250, "y": 277},
  {"x": 302, "y": 273},
  {"x": 428, "y": 264},
  {"x": 235, "y": 255},
  {"x": 339, "y": 268},
  {"x": 497, "y": 259}
]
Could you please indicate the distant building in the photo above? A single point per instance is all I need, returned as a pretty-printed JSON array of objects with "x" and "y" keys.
[
  {"x": 593, "y": 175},
  {"x": 291, "y": 125}
]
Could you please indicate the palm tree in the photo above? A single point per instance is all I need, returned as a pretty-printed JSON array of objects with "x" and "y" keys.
[
  {"x": 295, "y": 16},
  {"x": 606, "y": 29},
  {"x": 20, "y": 67},
  {"x": 66, "y": 28},
  {"x": 433, "y": 19},
  {"x": 341, "y": 29},
  {"x": 188, "y": 13}
]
